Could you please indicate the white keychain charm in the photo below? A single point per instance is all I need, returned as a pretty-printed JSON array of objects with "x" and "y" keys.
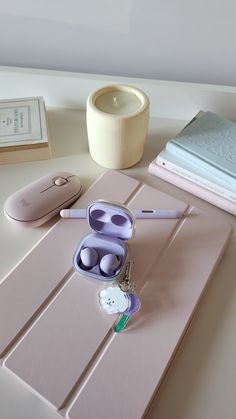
[
  {"x": 119, "y": 299},
  {"x": 113, "y": 300}
]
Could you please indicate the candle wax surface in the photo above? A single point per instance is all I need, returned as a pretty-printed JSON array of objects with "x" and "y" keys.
[{"x": 118, "y": 103}]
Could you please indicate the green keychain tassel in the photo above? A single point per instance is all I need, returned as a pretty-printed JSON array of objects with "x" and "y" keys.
[{"x": 120, "y": 325}]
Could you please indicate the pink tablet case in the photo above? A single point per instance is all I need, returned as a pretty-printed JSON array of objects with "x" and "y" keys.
[{"x": 58, "y": 341}]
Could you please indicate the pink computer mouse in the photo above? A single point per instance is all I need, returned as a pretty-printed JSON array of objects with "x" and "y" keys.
[{"x": 39, "y": 201}]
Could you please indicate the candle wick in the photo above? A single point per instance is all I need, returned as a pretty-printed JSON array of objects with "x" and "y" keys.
[{"x": 115, "y": 101}]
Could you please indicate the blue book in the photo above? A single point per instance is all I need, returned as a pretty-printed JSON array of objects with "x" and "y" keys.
[{"x": 208, "y": 142}]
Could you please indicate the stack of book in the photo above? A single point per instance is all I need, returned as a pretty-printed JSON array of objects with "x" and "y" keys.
[
  {"x": 201, "y": 159},
  {"x": 24, "y": 132}
]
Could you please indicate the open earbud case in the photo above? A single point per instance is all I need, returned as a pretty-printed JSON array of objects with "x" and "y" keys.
[{"x": 98, "y": 252}]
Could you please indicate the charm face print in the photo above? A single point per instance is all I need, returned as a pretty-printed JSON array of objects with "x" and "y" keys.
[{"x": 113, "y": 300}]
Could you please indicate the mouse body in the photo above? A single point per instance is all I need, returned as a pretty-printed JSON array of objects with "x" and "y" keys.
[{"x": 36, "y": 203}]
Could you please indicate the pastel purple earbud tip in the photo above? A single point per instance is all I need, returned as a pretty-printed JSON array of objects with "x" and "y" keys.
[
  {"x": 109, "y": 263},
  {"x": 89, "y": 257}
]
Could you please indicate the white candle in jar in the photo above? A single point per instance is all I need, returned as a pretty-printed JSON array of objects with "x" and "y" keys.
[
  {"x": 118, "y": 102},
  {"x": 117, "y": 124}
]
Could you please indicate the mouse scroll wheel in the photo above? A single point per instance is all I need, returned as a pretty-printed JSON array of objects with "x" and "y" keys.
[{"x": 60, "y": 181}]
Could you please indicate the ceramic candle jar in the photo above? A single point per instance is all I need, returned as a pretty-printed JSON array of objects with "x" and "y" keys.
[{"x": 117, "y": 124}]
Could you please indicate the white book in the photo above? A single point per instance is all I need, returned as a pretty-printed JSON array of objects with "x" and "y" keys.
[
  {"x": 23, "y": 130},
  {"x": 197, "y": 164},
  {"x": 192, "y": 187},
  {"x": 177, "y": 165}
]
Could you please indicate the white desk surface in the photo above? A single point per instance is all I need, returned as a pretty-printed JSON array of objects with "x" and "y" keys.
[{"x": 201, "y": 381}]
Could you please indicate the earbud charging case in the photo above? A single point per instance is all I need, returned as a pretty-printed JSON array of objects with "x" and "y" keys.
[{"x": 113, "y": 225}]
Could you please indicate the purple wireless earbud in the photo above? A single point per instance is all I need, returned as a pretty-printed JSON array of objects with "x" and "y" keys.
[
  {"x": 89, "y": 257},
  {"x": 109, "y": 263}
]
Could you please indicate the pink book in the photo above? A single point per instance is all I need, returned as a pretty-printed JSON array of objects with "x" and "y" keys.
[{"x": 191, "y": 187}]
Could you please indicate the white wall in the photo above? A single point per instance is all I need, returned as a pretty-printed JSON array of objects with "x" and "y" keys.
[{"x": 182, "y": 40}]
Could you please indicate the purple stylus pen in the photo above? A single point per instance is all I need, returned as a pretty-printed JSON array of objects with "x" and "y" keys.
[{"x": 139, "y": 213}]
